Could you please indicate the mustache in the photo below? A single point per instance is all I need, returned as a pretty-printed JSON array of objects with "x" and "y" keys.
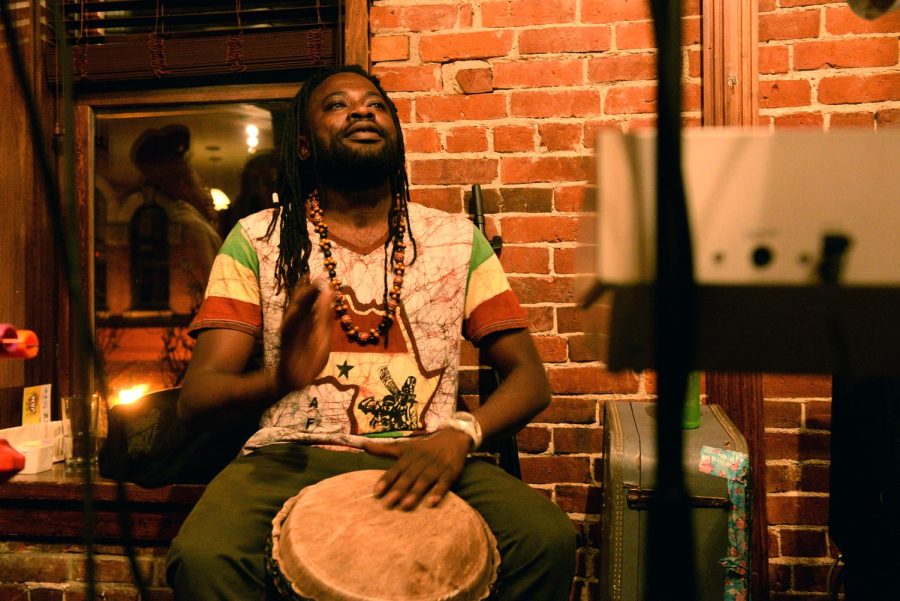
[{"x": 364, "y": 126}]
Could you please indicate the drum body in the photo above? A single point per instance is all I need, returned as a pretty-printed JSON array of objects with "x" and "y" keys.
[{"x": 335, "y": 541}]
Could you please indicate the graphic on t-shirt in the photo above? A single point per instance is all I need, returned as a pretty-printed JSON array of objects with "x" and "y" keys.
[{"x": 396, "y": 410}]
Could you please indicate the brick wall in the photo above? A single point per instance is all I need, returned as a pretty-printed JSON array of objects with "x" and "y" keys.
[
  {"x": 820, "y": 67},
  {"x": 511, "y": 95},
  {"x": 56, "y": 572}
]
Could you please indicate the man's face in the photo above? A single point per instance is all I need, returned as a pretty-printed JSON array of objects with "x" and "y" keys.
[{"x": 356, "y": 139}]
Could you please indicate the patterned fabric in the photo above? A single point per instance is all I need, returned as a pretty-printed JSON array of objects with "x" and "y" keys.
[
  {"x": 407, "y": 387},
  {"x": 735, "y": 467}
]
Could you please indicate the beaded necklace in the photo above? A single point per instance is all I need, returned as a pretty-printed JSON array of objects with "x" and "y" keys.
[{"x": 341, "y": 306}]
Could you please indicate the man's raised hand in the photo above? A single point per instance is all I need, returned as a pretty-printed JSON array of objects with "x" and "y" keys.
[{"x": 305, "y": 337}]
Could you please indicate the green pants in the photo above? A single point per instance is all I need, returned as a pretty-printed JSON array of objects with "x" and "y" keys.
[{"x": 219, "y": 552}]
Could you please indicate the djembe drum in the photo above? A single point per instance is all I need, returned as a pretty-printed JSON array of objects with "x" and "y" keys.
[{"x": 335, "y": 541}]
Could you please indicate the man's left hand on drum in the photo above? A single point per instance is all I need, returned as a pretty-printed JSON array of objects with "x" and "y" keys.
[{"x": 425, "y": 469}]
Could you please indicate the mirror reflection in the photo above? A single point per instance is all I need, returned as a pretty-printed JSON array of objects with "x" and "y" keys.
[{"x": 169, "y": 184}]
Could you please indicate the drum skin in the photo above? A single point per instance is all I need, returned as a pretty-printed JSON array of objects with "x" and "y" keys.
[{"x": 335, "y": 541}]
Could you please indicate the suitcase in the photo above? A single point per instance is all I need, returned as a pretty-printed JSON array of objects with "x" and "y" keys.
[{"x": 629, "y": 474}]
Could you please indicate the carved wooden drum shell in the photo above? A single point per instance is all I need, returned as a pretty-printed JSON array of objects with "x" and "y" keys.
[{"x": 335, "y": 541}]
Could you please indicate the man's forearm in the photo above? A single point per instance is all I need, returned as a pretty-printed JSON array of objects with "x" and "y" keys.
[{"x": 209, "y": 393}]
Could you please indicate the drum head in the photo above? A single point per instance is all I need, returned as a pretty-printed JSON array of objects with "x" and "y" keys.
[{"x": 335, "y": 541}]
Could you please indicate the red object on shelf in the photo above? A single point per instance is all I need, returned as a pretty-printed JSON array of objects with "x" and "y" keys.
[
  {"x": 11, "y": 461},
  {"x": 21, "y": 344}
]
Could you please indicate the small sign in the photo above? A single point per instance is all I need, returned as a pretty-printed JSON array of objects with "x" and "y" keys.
[{"x": 36, "y": 404}]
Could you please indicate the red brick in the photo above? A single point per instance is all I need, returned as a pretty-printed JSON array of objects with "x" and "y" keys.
[
  {"x": 467, "y": 139},
  {"x": 426, "y": 78},
  {"x": 552, "y": 349},
  {"x": 782, "y": 414},
  {"x": 773, "y": 59},
  {"x": 591, "y": 380},
  {"x": 630, "y": 99},
  {"x": 593, "y": 128},
  {"x": 560, "y": 103},
  {"x": 532, "y": 290},
  {"x": 537, "y": 74},
  {"x": 795, "y": 3},
  {"x": 540, "y": 319},
  {"x": 389, "y": 48},
  {"x": 813, "y": 578},
  {"x": 577, "y": 320},
  {"x": 781, "y": 93},
  {"x": 404, "y": 109},
  {"x": 453, "y": 171},
  {"x": 441, "y": 48},
  {"x": 430, "y": 17},
  {"x": 15, "y": 592},
  {"x": 634, "y": 36},
  {"x": 513, "y": 138},
  {"x": 468, "y": 354},
  {"x": 782, "y": 478},
  {"x": 577, "y": 440},
  {"x": 694, "y": 63},
  {"x": 862, "y": 119},
  {"x": 779, "y": 577},
  {"x": 587, "y": 347},
  {"x": 112, "y": 569},
  {"x": 805, "y": 119},
  {"x": 818, "y": 415},
  {"x": 579, "y": 499},
  {"x": 797, "y": 510},
  {"x": 767, "y": 6},
  {"x": 539, "y": 228},
  {"x": 604, "y": 11},
  {"x": 527, "y": 12},
  {"x": 633, "y": 124},
  {"x": 560, "y": 136},
  {"x": 573, "y": 198},
  {"x": 445, "y": 199},
  {"x": 803, "y": 543},
  {"x": 790, "y": 25},
  {"x": 842, "y": 20},
  {"x": 33, "y": 567},
  {"x": 873, "y": 52},
  {"x": 623, "y": 67},
  {"x": 460, "y": 107},
  {"x": 37, "y": 594},
  {"x": 547, "y": 470},
  {"x": 570, "y": 410},
  {"x": 796, "y": 386},
  {"x": 533, "y": 439},
  {"x": 815, "y": 477},
  {"x": 546, "y": 40},
  {"x": 565, "y": 260},
  {"x": 691, "y": 29},
  {"x": 525, "y": 259},
  {"x": 521, "y": 170},
  {"x": 797, "y": 445},
  {"x": 475, "y": 81},
  {"x": 853, "y": 89},
  {"x": 422, "y": 139},
  {"x": 524, "y": 200},
  {"x": 888, "y": 118}
]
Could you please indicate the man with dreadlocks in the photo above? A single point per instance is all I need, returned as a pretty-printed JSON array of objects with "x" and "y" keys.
[{"x": 360, "y": 298}]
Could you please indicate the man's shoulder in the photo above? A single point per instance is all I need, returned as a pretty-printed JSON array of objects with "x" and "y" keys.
[
  {"x": 257, "y": 224},
  {"x": 431, "y": 221}
]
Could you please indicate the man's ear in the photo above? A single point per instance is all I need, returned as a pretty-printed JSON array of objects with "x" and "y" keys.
[{"x": 303, "y": 149}]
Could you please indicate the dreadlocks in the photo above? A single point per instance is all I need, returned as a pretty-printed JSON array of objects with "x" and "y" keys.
[{"x": 297, "y": 179}]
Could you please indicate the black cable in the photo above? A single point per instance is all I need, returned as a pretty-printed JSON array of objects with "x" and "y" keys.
[
  {"x": 671, "y": 557},
  {"x": 81, "y": 320}
]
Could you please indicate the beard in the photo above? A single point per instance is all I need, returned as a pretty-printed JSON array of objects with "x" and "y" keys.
[{"x": 347, "y": 168}]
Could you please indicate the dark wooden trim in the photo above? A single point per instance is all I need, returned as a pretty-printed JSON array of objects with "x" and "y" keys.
[
  {"x": 49, "y": 506},
  {"x": 741, "y": 395}
]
